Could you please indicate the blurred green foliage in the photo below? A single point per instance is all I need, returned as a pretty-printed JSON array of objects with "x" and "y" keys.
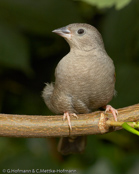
[
  {"x": 109, "y": 3},
  {"x": 29, "y": 53}
]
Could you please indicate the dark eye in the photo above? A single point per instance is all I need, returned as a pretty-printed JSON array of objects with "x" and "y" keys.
[{"x": 80, "y": 31}]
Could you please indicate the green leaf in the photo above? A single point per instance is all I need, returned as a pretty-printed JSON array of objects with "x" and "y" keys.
[
  {"x": 108, "y": 3},
  {"x": 121, "y": 3},
  {"x": 130, "y": 129},
  {"x": 13, "y": 50}
]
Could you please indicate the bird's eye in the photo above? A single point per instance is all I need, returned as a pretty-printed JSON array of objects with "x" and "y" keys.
[{"x": 80, "y": 31}]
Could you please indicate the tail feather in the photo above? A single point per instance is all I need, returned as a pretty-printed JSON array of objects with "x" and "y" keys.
[{"x": 68, "y": 145}]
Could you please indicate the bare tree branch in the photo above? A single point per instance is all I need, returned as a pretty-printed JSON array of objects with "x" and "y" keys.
[{"x": 53, "y": 126}]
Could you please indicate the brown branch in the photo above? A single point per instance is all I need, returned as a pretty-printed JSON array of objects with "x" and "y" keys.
[{"x": 53, "y": 126}]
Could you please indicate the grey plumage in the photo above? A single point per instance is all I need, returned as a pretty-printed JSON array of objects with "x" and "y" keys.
[{"x": 85, "y": 77}]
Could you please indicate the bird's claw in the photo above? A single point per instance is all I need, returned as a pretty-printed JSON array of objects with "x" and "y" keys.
[
  {"x": 74, "y": 115},
  {"x": 113, "y": 111},
  {"x": 67, "y": 115}
]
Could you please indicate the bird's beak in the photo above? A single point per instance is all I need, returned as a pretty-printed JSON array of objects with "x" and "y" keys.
[{"x": 64, "y": 32}]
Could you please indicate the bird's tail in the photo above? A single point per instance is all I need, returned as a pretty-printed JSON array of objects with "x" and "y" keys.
[{"x": 68, "y": 145}]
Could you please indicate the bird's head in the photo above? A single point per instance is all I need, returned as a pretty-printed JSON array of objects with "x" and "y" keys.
[{"x": 81, "y": 36}]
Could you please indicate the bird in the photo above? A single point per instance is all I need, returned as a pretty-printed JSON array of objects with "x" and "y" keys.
[{"x": 84, "y": 81}]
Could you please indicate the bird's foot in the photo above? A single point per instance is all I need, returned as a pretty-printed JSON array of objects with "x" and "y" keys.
[
  {"x": 67, "y": 115},
  {"x": 113, "y": 111}
]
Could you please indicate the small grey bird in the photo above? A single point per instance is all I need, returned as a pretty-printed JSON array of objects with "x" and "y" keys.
[{"x": 84, "y": 80}]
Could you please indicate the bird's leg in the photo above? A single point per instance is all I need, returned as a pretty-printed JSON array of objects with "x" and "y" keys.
[
  {"x": 113, "y": 111},
  {"x": 67, "y": 115}
]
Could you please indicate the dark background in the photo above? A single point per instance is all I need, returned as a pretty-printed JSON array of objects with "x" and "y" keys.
[{"x": 29, "y": 53}]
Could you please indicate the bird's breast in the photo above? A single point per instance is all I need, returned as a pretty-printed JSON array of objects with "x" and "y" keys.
[{"x": 88, "y": 80}]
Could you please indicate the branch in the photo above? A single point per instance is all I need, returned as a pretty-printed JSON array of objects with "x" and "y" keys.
[{"x": 31, "y": 126}]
